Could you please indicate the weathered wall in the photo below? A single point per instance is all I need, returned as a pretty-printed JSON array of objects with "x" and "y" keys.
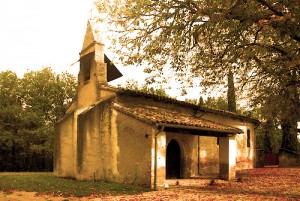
[
  {"x": 189, "y": 153},
  {"x": 63, "y": 147},
  {"x": 209, "y": 156},
  {"x": 87, "y": 90},
  {"x": 161, "y": 147},
  {"x": 245, "y": 155},
  {"x": 134, "y": 144},
  {"x": 112, "y": 146},
  {"x": 109, "y": 142},
  {"x": 88, "y": 141},
  {"x": 288, "y": 159},
  {"x": 94, "y": 143}
]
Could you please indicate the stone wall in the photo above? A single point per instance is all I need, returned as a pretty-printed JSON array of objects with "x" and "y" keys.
[{"x": 288, "y": 158}]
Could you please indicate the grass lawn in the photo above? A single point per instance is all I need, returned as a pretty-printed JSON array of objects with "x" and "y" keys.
[
  {"x": 46, "y": 183},
  {"x": 255, "y": 184}
]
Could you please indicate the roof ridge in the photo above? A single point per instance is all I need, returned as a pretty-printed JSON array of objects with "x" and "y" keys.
[
  {"x": 176, "y": 101},
  {"x": 186, "y": 120}
]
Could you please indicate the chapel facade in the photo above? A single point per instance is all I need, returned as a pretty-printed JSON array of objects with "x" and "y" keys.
[{"x": 131, "y": 137}]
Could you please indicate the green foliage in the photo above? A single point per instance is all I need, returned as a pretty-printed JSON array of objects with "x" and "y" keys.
[
  {"x": 258, "y": 40},
  {"x": 29, "y": 107},
  {"x": 145, "y": 88},
  {"x": 268, "y": 137},
  {"x": 48, "y": 93},
  {"x": 216, "y": 103},
  {"x": 46, "y": 183}
]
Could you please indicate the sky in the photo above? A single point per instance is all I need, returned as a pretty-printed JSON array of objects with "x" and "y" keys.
[
  {"x": 41, "y": 33},
  {"x": 38, "y": 33}
]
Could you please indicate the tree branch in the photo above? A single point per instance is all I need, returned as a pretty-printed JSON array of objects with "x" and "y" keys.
[{"x": 270, "y": 7}]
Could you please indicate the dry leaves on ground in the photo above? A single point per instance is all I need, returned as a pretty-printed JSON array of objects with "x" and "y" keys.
[{"x": 254, "y": 184}]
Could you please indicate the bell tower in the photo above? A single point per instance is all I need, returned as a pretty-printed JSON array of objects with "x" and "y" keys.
[{"x": 96, "y": 69}]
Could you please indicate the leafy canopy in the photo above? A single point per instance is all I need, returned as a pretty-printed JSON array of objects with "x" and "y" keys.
[
  {"x": 29, "y": 107},
  {"x": 257, "y": 40}
]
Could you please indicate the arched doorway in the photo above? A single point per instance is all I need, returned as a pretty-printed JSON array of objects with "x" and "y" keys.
[{"x": 173, "y": 160}]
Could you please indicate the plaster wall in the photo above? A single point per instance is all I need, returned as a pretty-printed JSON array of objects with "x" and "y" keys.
[
  {"x": 227, "y": 157},
  {"x": 106, "y": 93},
  {"x": 160, "y": 157},
  {"x": 189, "y": 153},
  {"x": 87, "y": 90},
  {"x": 134, "y": 149},
  {"x": 209, "y": 156},
  {"x": 63, "y": 147},
  {"x": 88, "y": 141},
  {"x": 245, "y": 155},
  {"x": 209, "y": 150},
  {"x": 94, "y": 150}
]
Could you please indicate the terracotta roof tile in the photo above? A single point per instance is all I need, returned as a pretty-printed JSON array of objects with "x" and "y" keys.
[
  {"x": 183, "y": 103},
  {"x": 159, "y": 116}
]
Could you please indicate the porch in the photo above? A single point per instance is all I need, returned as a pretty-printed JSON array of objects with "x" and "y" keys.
[{"x": 178, "y": 152}]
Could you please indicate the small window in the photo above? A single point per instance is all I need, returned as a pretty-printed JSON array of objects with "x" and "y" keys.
[{"x": 248, "y": 138}]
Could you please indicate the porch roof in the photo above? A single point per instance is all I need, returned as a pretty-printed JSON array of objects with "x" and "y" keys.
[{"x": 175, "y": 121}]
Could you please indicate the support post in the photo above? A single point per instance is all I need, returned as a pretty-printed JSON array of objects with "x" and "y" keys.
[
  {"x": 227, "y": 157},
  {"x": 159, "y": 130},
  {"x": 155, "y": 161}
]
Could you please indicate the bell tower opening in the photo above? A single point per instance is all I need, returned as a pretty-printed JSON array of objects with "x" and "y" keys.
[
  {"x": 85, "y": 66},
  {"x": 173, "y": 159}
]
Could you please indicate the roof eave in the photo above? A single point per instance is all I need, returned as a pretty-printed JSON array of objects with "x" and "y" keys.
[
  {"x": 196, "y": 107},
  {"x": 186, "y": 127}
]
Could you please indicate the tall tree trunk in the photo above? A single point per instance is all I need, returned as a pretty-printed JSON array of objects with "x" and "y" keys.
[
  {"x": 231, "y": 100},
  {"x": 268, "y": 134},
  {"x": 289, "y": 135},
  {"x": 290, "y": 115}
]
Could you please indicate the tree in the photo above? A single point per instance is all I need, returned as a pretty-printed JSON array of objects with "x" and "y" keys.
[
  {"x": 10, "y": 120},
  {"x": 45, "y": 97},
  {"x": 29, "y": 107},
  {"x": 231, "y": 100},
  {"x": 145, "y": 88},
  {"x": 258, "y": 40}
]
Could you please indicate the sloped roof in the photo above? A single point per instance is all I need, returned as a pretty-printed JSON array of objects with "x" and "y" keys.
[
  {"x": 187, "y": 104},
  {"x": 164, "y": 117},
  {"x": 112, "y": 71},
  {"x": 92, "y": 35}
]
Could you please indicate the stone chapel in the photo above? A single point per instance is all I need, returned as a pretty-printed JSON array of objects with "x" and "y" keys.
[{"x": 127, "y": 136}]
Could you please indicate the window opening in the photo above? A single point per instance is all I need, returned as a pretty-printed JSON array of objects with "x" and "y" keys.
[{"x": 248, "y": 138}]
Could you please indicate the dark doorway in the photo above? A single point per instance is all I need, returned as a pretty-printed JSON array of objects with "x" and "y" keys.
[{"x": 173, "y": 160}]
